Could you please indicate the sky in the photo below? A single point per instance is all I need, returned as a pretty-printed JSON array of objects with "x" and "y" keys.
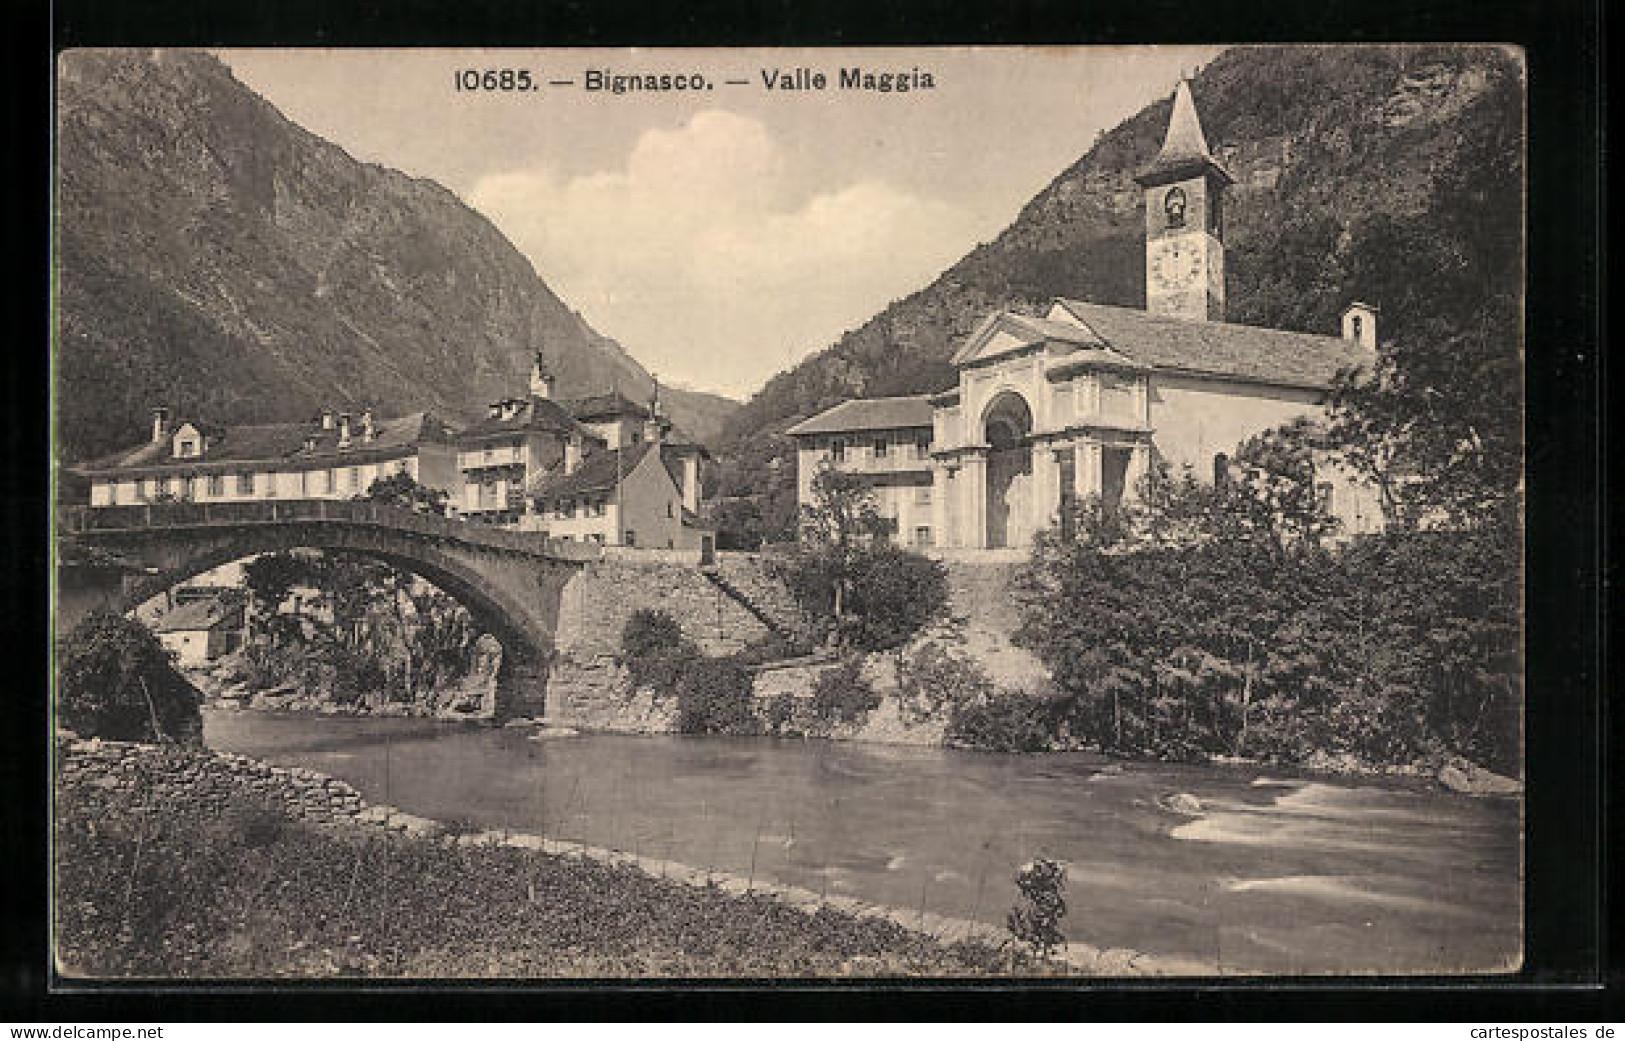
[{"x": 724, "y": 233}]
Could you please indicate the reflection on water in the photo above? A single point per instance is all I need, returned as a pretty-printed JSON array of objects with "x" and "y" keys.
[{"x": 1277, "y": 874}]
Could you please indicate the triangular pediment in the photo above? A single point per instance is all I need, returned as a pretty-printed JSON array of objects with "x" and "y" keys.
[{"x": 1004, "y": 332}]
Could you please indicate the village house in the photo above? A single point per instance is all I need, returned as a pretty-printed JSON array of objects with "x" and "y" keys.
[
  {"x": 201, "y": 626},
  {"x": 600, "y": 469},
  {"x": 335, "y": 456},
  {"x": 1074, "y": 405}
]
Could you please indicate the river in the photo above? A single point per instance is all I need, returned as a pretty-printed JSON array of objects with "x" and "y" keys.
[{"x": 1278, "y": 873}]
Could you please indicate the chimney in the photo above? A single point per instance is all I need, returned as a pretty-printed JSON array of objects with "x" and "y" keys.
[
  {"x": 541, "y": 380},
  {"x": 344, "y": 430},
  {"x": 1360, "y": 325},
  {"x": 572, "y": 455},
  {"x": 327, "y": 419},
  {"x": 160, "y": 425},
  {"x": 367, "y": 430},
  {"x": 494, "y": 410},
  {"x": 310, "y": 442}
]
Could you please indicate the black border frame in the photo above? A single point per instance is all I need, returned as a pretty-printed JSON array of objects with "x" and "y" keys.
[{"x": 1569, "y": 971}]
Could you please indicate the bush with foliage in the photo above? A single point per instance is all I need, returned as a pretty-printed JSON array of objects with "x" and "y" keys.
[
  {"x": 116, "y": 681},
  {"x": 1003, "y": 721},
  {"x": 714, "y": 697},
  {"x": 1036, "y": 918},
  {"x": 842, "y": 698},
  {"x": 932, "y": 680}
]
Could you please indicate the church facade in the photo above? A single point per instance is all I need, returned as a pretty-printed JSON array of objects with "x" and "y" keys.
[{"x": 1077, "y": 403}]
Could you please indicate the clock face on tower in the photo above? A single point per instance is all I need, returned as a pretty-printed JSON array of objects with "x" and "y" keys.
[{"x": 1175, "y": 266}]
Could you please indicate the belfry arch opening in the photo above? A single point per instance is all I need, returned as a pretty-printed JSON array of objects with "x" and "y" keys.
[{"x": 1007, "y": 426}]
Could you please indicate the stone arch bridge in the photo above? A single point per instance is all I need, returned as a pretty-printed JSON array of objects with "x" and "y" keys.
[{"x": 509, "y": 581}]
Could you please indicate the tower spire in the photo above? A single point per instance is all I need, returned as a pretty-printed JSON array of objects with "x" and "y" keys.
[{"x": 1184, "y": 147}]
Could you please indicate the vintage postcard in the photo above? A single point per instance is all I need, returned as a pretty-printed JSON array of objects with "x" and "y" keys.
[{"x": 982, "y": 512}]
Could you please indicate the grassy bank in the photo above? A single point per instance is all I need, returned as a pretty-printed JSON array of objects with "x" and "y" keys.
[{"x": 164, "y": 889}]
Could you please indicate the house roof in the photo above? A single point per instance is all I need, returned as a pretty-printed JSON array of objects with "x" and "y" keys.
[
  {"x": 868, "y": 414},
  {"x": 277, "y": 442},
  {"x": 598, "y": 472},
  {"x": 605, "y": 406},
  {"x": 542, "y": 414},
  {"x": 197, "y": 615},
  {"x": 1243, "y": 352}
]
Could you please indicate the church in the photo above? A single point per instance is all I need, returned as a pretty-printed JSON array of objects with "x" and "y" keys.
[{"x": 1078, "y": 403}]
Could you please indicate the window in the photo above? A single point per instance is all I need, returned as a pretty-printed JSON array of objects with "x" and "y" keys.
[
  {"x": 490, "y": 454},
  {"x": 245, "y": 484},
  {"x": 881, "y": 448},
  {"x": 922, "y": 446},
  {"x": 922, "y": 495},
  {"x": 217, "y": 485},
  {"x": 922, "y": 535},
  {"x": 188, "y": 448},
  {"x": 668, "y": 510},
  {"x": 631, "y": 537},
  {"x": 324, "y": 482},
  {"x": 1323, "y": 494},
  {"x": 1356, "y": 327},
  {"x": 837, "y": 450},
  {"x": 352, "y": 479}
]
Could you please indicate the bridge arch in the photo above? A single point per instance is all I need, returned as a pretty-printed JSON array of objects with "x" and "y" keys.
[{"x": 510, "y": 586}]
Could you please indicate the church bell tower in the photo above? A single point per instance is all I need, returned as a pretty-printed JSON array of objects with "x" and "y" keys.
[{"x": 1184, "y": 221}]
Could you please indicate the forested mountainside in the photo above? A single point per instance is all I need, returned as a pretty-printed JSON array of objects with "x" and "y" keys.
[
  {"x": 218, "y": 259},
  {"x": 1386, "y": 174}
]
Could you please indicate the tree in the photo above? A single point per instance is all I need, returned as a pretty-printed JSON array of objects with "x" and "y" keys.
[
  {"x": 874, "y": 594},
  {"x": 116, "y": 681},
  {"x": 402, "y": 489}
]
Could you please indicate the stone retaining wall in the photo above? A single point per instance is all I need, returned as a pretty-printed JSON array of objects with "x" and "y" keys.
[{"x": 213, "y": 779}]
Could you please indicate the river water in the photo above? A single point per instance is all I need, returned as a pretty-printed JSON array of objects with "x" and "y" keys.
[{"x": 1278, "y": 873}]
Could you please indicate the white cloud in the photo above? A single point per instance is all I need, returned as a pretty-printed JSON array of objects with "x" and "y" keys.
[{"x": 701, "y": 257}]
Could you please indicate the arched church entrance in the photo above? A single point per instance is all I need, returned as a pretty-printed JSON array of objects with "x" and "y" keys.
[{"x": 1006, "y": 425}]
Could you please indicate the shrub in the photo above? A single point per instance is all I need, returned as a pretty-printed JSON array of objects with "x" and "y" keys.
[
  {"x": 654, "y": 651},
  {"x": 1036, "y": 918},
  {"x": 648, "y": 631},
  {"x": 780, "y": 715},
  {"x": 1005, "y": 721},
  {"x": 895, "y": 594},
  {"x": 116, "y": 681},
  {"x": 841, "y": 697},
  {"x": 932, "y": 679},
  {"x": 714, "y": 697}
]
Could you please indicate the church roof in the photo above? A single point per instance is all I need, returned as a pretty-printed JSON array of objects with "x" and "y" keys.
[
  {"x": 868, "y": 414},
  {"x": 1184, "y": 147},
  {"x": 1223, "y": 349}
]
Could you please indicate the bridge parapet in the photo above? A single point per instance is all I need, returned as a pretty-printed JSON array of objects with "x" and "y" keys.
[{"x": 90, "y": 520}]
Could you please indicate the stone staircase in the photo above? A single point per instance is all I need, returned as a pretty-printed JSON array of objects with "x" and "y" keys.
[
  {"x": 984, "y": 616},
  {"x": 748, "y": 581}
]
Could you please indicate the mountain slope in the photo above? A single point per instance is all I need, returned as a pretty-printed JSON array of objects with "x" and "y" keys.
[
  {"x": 1339, "y": 155},
  {"x": 218, "y": 259}
]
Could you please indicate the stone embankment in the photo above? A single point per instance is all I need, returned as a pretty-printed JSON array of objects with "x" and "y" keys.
[{"x": 219, "y": 781}]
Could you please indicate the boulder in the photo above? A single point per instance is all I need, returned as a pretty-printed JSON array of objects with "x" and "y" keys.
[
  {"x": 1459, "y": 775},
  {"x": 1183, "y": 802}
]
